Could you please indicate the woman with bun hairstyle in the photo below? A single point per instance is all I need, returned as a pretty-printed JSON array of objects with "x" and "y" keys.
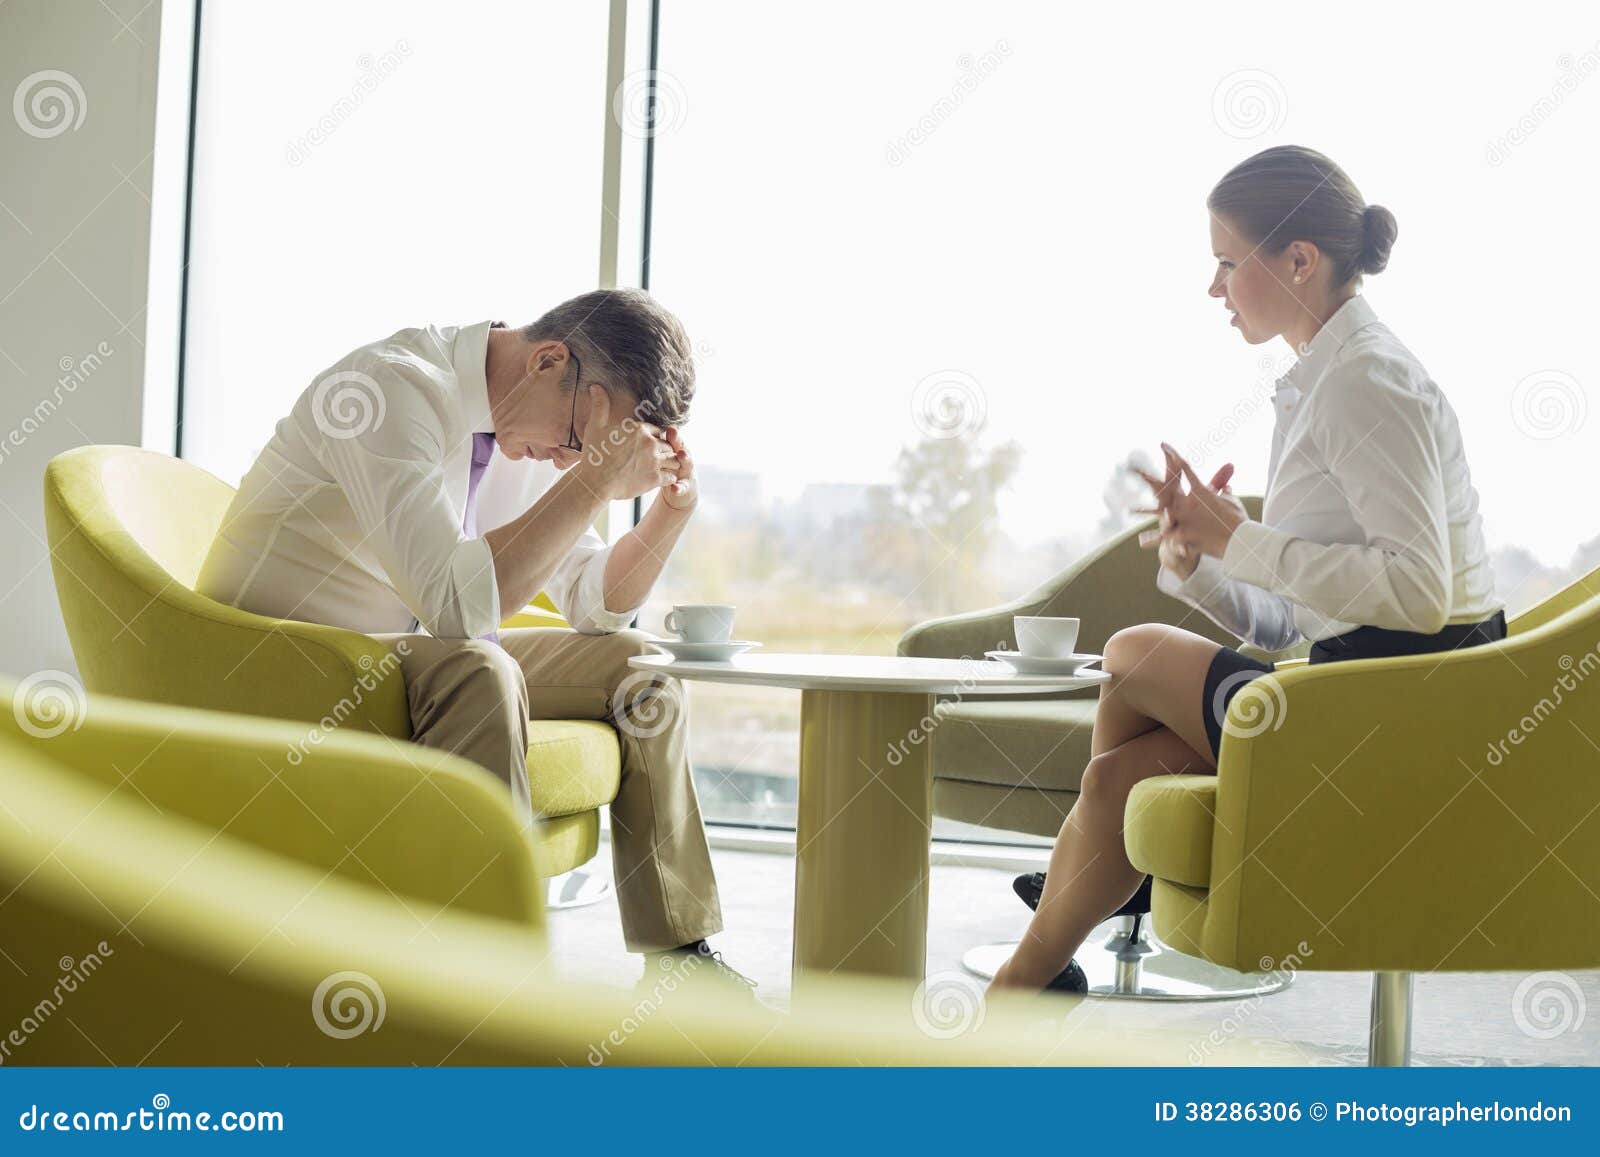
[{"x": 1369, "y": 543}]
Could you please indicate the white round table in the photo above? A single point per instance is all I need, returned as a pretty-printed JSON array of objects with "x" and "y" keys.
[{"x": 863, "y": 832}]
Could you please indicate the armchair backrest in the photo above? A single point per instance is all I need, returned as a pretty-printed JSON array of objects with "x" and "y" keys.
[
  {"x": 151, "y": 515},
  {"x": 128, "y": 531}
]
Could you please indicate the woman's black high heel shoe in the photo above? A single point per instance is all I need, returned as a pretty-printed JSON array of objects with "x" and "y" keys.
[
  {"x": 1069, "y": 979},
  {"x": 1132, "y": 963},
  {"x": 1030, "y": 886}
]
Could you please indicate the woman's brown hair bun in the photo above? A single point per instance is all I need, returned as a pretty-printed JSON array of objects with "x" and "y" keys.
[
  {"x": 1378, "y": 229},
  {"x": 1290, "y": 193}
]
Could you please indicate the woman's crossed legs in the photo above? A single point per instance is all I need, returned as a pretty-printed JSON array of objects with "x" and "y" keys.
[{"x": 1150, "y": 721}]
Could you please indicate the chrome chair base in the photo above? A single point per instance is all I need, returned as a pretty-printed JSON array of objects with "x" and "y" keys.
[
  {"x": 575, "y": 889},
  {"x": 1123, "y": 961},
  {"x": 1389, "y": 1030}
]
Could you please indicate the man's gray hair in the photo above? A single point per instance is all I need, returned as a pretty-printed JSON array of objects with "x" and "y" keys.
[{"x": 624, "y": 339}]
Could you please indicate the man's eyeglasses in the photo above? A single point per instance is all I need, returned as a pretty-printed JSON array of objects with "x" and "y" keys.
[{"x": 572, "y": 443}]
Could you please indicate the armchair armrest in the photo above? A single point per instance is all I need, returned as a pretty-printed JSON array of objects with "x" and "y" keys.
[
  {"x": 283, "y": 669},
  {"x": 1102, "y": 588},
  {"x": 1417, "y": 813},
  {"x": 385, "y": 813},
  {"x": 967, "y": 635}
]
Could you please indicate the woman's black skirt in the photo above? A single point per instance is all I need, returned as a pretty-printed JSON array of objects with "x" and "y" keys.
[{"x": 1230, "y": 671}]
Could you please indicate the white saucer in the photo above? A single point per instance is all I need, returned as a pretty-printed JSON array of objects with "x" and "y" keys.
[
  {"x": 1042, "y": 664},
  {"x": 703, "y": 652}
]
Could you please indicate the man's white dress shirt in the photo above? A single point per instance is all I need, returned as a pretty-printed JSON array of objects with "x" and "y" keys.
[
  {"x": 352, "y": 514},
  {"x": 1370, "y": 517}
]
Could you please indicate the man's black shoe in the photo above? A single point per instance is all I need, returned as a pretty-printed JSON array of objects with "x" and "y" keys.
[{"x": 695, "y": 961}]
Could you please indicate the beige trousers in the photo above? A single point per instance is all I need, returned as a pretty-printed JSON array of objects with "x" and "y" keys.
[{"x": 474, "y": 698}]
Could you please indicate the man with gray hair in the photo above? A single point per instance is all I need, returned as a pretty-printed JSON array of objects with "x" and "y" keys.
[{"x": 443, "y": 477}]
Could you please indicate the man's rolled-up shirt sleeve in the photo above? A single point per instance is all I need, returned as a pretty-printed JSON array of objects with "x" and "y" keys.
[
  {"x": 578, "y": 589},
  {"x": 393, "y": 477}
]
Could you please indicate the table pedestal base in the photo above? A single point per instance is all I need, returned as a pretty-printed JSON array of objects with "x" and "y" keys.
[{"x": 862, "y": 834}]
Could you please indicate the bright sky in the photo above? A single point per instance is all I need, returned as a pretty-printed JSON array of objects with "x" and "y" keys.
[{"x": 1039, "y": 243}]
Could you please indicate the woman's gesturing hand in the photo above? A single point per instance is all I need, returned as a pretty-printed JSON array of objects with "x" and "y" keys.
[
  {"x": 1176, "y": 557},
  {"x": 1203, "y": 517},
  {"x": 1193, "y": 522}
]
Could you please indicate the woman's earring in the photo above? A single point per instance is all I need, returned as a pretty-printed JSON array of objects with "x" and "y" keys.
[{"x": 1297, "y": 279}]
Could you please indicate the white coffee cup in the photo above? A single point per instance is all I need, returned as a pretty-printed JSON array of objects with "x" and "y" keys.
[
  {"x": 701, "y": 622},
  {"x": 1044, "y": 637}
]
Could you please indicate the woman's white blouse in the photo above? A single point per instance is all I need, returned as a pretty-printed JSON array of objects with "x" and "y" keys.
[{"x": 1370, "y": 516}]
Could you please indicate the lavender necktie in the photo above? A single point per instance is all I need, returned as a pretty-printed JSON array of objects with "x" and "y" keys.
[{"x": 482, "y": 451}]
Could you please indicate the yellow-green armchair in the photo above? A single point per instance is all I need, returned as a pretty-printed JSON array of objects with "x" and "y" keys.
[
  {"x": 1015, "y": 764},
  {"x": 1417, "y": 814},
  {"x": 128, "y": 531},
  {"x": 175, "y": 891}
]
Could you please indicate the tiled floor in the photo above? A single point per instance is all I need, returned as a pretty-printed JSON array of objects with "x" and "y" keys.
[{"x": 1460, "y": 1019}]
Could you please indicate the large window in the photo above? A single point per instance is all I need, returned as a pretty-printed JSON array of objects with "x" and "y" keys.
[
  {"x": 946, "y": 268},
  {"x": 362, "y": 167},
  {"x": 944, "y": 265}
]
